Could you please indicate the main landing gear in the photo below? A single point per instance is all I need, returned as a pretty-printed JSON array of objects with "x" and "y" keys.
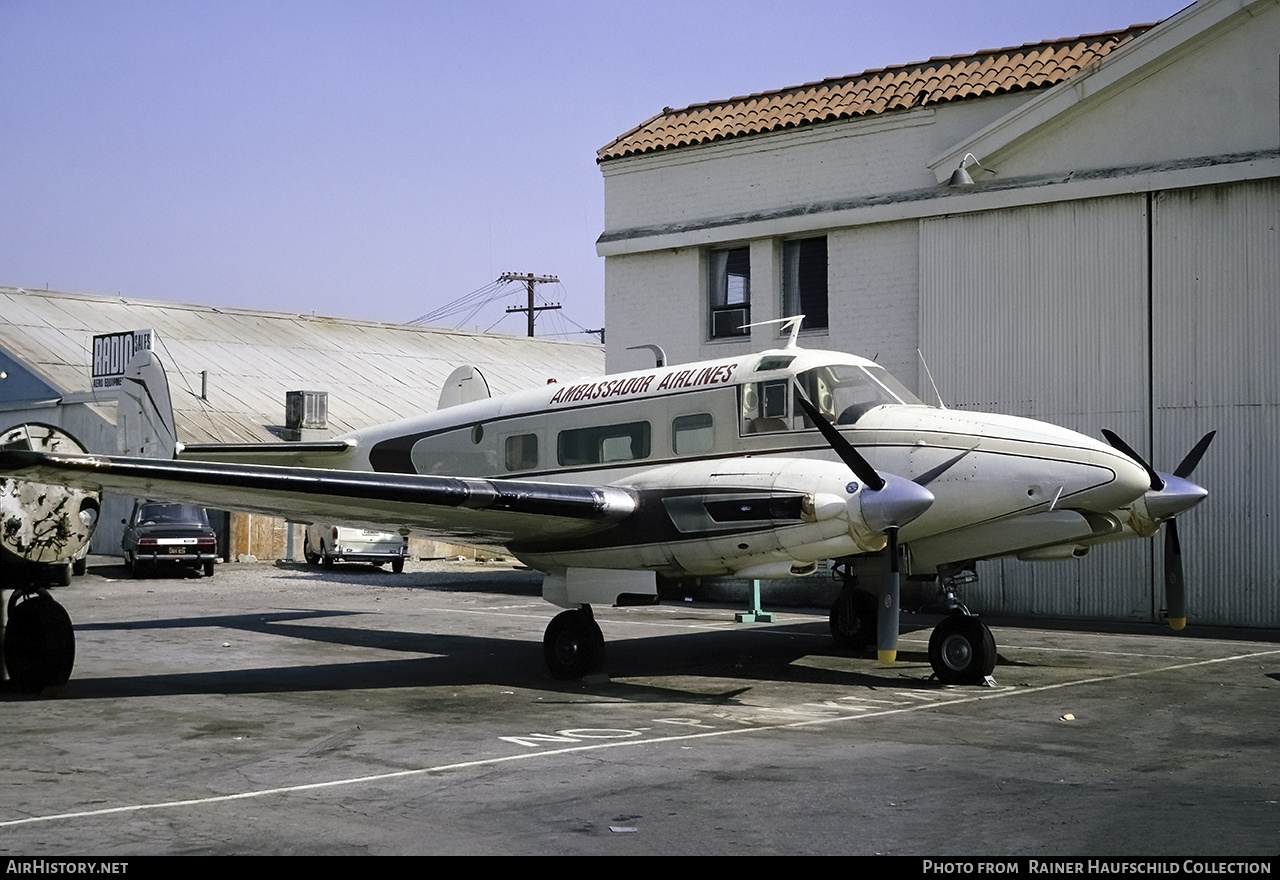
[
  {"x": 961, "y": 648},
  {"x": 573, "y": 645},
  {"x": 39, "y": 643}
]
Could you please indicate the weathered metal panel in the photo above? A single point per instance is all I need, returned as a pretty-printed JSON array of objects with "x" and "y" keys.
[
  {"x": 1216, "y": 322},
  {"x": 373, "y": 372},
  {"x": 1042, "y": 312}
]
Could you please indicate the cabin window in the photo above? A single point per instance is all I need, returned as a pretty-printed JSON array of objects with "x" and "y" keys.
[
  {"x": 764, "y": 406},
  {"x": 730, "y": 291},
  {"x": 692, "y": 434},
  {"x": 804, "y": 281},
  {"x": 604, "y": 443},
  {"x": 522, "y": 452}
]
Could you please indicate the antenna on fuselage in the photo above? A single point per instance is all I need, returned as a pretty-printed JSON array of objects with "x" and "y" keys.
[
  {"x": 793, "y": 322},
  {"x": 936, "y": 392}
]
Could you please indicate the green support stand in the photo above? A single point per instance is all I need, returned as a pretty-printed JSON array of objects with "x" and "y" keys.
[{"x": 755, "y": 615}]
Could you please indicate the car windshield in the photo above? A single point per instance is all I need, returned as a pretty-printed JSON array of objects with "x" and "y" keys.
[{"x": 171, "y": 514}]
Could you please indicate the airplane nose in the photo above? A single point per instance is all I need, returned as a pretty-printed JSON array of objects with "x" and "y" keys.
[{"x": 1131, "y": 479}]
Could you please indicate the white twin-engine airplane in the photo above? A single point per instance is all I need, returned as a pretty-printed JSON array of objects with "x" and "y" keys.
[{"x": 749, "y": 466}]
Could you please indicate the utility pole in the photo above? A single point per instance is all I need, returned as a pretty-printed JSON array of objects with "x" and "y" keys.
[{"x": 529, "y": 280}]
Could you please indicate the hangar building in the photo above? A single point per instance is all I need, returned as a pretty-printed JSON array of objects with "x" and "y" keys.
[
  {"x": 230, "y": 370},
  {"x": 1084, "y": 231}
]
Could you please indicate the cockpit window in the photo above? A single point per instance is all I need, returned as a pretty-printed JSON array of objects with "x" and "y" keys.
[
  {"x": 845, "y": 393},
  {"x": 765, "y": 406}
]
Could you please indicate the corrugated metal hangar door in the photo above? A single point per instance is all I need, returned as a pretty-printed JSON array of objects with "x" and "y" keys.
[
  {"x": 1216, "y": 332},
  {"x": 1156, "y": 316},
  {"x": 1042, "y": 312}
]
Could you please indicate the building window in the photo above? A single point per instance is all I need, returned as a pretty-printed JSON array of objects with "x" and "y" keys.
[
  {"x": 804, "y": 281},
  {"x": 730, "y": 292}
]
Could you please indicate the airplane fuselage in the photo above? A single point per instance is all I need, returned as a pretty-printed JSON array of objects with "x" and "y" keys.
[{"x": 731, "y": 428}]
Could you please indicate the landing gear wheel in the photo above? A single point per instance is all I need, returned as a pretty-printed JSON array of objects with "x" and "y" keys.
[
  {"x": 397, "y": 564},
  {"x": 39, "y": 643},
  {"x": 853, "y": 620},
  {"x": 962, "y": 650},
  {"x": 573, "y": 645}
]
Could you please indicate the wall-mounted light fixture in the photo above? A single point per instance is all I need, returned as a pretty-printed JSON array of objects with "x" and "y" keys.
[{"x": 960, "y": 177}]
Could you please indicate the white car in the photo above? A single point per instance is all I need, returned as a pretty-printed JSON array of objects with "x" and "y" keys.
[{"x": 326, "y": 544}]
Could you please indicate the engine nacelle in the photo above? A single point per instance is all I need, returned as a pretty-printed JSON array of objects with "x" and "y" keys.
[{"x": 41, "y": 523}]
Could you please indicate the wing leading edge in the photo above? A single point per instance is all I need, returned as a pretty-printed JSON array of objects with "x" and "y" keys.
[{"x": 481, "y": 510}]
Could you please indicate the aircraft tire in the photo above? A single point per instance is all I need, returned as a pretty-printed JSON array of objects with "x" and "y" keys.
[
  {"x": 573, "y": 645},
  {"x": 39, "y": 642},
  {"x": 853, "y": 620},
  {"x": 962, "y": 650}
]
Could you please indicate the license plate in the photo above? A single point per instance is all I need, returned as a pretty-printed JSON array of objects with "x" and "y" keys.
[{"x": 177, "y": 551}]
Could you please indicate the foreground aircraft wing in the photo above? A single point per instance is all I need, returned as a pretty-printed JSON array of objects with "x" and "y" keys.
[{"x": 491, "y": 511}]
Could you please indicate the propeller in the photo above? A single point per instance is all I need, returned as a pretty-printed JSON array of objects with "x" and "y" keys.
[
  {"x": 1170, "y": 494},
  {"x": 888, "y": 504}
]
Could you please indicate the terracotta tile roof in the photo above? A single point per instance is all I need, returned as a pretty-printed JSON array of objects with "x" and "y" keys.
[{"x": 936, "y": 81}]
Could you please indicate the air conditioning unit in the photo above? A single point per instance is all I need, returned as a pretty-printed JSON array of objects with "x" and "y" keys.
[
  {"x": 306, "y": 410},
  {"x": 729, "y": 322}
]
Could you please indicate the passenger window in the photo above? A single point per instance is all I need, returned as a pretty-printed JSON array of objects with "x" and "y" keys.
[
  {"x": 522, "y": 452},
  {"x": 604, "y": 443},
  {"x": 692, "y": 434}
]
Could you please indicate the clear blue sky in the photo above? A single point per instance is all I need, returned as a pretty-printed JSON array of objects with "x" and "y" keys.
[{"x": 378, "y": 159}]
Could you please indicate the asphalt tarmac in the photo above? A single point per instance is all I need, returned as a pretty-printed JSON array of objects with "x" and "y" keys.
[{"x": 279, "y": 709}]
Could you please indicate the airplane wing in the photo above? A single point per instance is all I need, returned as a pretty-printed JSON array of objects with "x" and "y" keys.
[{"x": 491, "y": 511}]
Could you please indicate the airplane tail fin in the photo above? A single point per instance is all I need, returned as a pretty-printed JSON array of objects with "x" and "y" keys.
[
  {"x": 144, "y": 420},
  {"x": 463, "y": 385}
]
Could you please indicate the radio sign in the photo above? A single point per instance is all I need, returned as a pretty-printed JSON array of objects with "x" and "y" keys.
[{"x": 112, "y": 353}]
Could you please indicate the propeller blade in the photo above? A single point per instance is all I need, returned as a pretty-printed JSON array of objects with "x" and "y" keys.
[
  {"x": 888, "y": 611},
  {"x": 1174, "y": 591},
  {"x": 861, "y": 468},
  {"x": 933, "y": 473},
  {"x": 1193, "y": 457},
  {"x": 1116, "y": 443}
]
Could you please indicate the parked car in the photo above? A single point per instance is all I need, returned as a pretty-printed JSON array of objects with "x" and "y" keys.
[
  {"x": 325, "y": 544},
  {"x": 164, "y": 534}
]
